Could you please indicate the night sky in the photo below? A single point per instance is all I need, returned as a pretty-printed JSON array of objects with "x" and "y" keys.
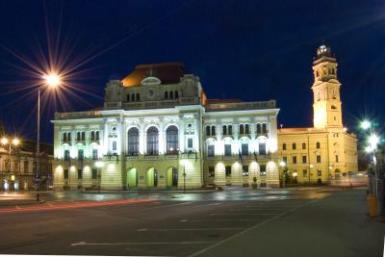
[{"x": 253, "y": 50}]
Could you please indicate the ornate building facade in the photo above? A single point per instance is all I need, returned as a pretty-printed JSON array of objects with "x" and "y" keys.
[
  {"x": 326, "y": 151},
  {"x": 157, "y": 129}
]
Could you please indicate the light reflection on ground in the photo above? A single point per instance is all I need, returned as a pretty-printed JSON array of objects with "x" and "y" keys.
[{"x": 228, "y": 194}]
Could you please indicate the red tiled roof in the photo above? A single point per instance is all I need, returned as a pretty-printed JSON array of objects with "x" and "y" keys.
[{"x": 168, "y": 73}]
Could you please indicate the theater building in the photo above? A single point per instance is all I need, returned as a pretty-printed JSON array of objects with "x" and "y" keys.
[{"x": 157, "y": 129}]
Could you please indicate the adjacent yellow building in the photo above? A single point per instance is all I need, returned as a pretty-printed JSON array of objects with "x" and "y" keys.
[{"x": 326, "y": 151}]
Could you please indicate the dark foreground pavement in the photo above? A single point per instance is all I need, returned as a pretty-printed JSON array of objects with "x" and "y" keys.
[{"x": 237, "y": 222}]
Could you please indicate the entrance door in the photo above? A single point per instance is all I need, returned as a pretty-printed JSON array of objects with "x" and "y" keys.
[
  {"x": 132, "y": 178},
  {"x": 155, "y": 178},
  {"x": 174, "y": 177}
]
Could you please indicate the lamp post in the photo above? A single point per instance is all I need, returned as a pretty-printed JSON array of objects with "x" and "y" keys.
[
  {"x": 282, "y": 164},
  {"x": 377, "y": 166},
  {"x": 51, "y": 80}
]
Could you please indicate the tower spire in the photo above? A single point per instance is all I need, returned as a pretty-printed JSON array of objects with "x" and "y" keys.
[{"x": 326, "y": 90}]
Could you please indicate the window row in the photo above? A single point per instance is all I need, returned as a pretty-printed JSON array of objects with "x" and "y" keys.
[
  {"x": 94, "y": 174},
  {"x": 244, "y": 129},
  {"x": 171, "y": 95},
  {"x": 80, "y": 156},
  {"x": 81, "y": 136},
  {"x": 228, "y": 173},
  {"x": 294, "y": 146},
  {"x": 134, "y": 97},
  {"x": 304, "y": 159},
  {"x": 172, "y": 141},
  {"x": 243, "y": 151}
]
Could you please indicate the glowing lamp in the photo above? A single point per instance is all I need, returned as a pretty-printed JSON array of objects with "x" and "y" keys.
[{"x": 52, "y": 80}]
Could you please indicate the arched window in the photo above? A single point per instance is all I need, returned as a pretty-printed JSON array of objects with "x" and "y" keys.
[
  {"x": 262, "y": 148},
  {"x": 171, "y": 95},
  {"x": 176, "y": 95},
  {"x": 172, "y": 139},
  {"x": 259, "y": 129},
  {"x": 133, "y": 141},
  {"x": 318, "y": 145},
  {"x": 128, "y": 98},
  {"x": 133, "y": 98},
  {"x": 166, "y": 95},
  {"x": 213, "y": 130},
  {"x": 208, "y": 131},
  {"x": 152, "y": 141},
  {"x": 224, "y": 130},
  {"x": 241, "y": 131},
  {"x": 137, "y": 97}
]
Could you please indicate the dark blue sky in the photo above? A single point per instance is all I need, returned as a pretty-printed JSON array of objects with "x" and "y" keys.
[{"x": 248, "y": 49}]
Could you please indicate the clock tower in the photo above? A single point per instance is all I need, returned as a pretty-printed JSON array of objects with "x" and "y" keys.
[{"x": 326, "y": 90}]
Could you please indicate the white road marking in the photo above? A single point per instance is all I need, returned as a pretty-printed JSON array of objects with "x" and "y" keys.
[
  {"x": 187, "y": 229},
  {"x": 166, "y": 205},
  {"x": 220, "y": 220},
  {"x": 256, "y": 226},
  {"x": 83, "y": 243},
  {"x": 243, "y": 214}
]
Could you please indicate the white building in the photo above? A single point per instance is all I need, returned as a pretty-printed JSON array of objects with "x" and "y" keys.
[{"x": 157, "y": 129}]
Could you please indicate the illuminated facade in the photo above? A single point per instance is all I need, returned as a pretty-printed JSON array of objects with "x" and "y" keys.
[
  {"x": 158, "y": 130},
  {"x": 326, "y": 151}
]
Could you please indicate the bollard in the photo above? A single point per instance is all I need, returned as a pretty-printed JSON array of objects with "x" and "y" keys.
[{"x": 372, "y": 205}]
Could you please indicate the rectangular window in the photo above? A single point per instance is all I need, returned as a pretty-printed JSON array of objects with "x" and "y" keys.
[
  {"x": 284, "y": 147},
  {"x": 190, "y": 143},
  {"x": 304, "y": 159},
  {"x": 66, "y": 174},
  {"x": 227, "y": 150},
  {"x": 294, "y": 146},
  {"x": 294, "y": 159},
  {"x": 247, "y": 129},
  {"x": 264, "y": 128},
  {"x": 228, "y": 171},
  {"x": 245, "y": 149},
  {"x": 94, "y": 154},
  {"x": 97, "y": 135},
  {"x": 66, "y": 155},
  {"x": 230, "y": 130},
  {"x": 83, "y": 136},
  {"x": 94, "y": 173},
  {"x": 262, "y": 169},
  {"x": 319, "y": 173},
  {"x": 210, "y": 150},
  {"x": 26, "y": 166},
  {"x": 80, "y": 154},
  {"x": 80, "y": 174},
  {"x": 318, "y": 158},
  {"x": 211, "y": 172},
  {"x": 262, "y": 148},
  {"x": 337, "y": 158},
  {"x": 241, "y": 129},
  {"x": 303, "y": 146},
  {"x": 245, "y": 170}
]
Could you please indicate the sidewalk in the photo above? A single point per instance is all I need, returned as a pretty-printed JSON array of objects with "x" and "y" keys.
[{"x": 336, "y": 226}]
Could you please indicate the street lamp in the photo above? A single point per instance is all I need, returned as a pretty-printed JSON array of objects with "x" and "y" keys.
[
  {"x": 51, "y": 80},
  {"x": 282, "y": 164},
  {"x": 365, "y": 124}
]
